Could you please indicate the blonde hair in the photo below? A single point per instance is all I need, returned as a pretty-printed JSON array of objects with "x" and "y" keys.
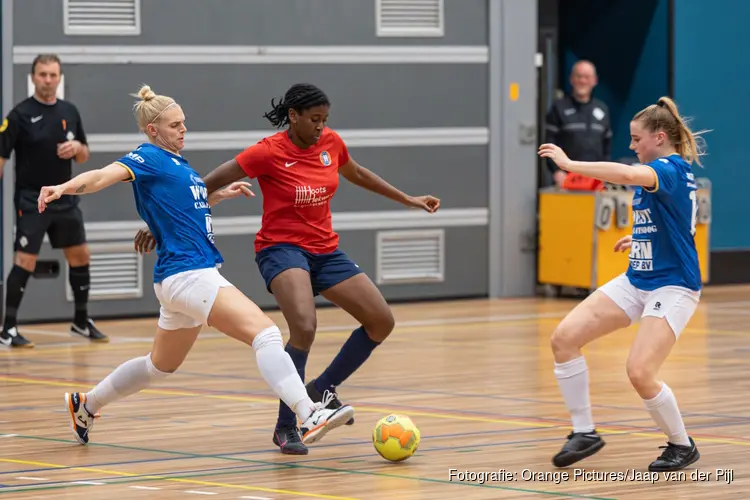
[
  {"x": 150, "y": 107},
  {"x": 665, "y": 116}
]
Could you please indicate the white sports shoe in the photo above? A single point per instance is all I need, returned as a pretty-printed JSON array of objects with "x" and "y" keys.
[
  {"x": 323, "y": 419},
  {"x": 81, "y": 420}
]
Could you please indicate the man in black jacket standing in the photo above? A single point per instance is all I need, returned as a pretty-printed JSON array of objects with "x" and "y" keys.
[
  {"x": 578, "y": 122},
  {"x": 46, "y": 134}
]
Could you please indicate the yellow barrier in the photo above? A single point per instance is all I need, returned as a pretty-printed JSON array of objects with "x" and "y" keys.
[{"x": 578, "y": 231}]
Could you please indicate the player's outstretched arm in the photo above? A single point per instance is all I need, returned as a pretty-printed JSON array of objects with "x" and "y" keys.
[
  {"x": 362, "y": 177},
  {"x": 224, "y": 174},
  {"x": 235, "y": 189},
  {"x": 85, "y": 183},
  {"x": 616, "y": 173}
]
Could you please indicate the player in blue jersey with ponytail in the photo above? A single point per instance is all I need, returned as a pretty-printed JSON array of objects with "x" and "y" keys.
[
  {"x": 661, "y": 287},
  {"x": 173, "y": 201}
]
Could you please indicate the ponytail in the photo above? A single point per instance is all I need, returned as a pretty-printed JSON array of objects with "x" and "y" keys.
[{"x": 686, "y": 144}]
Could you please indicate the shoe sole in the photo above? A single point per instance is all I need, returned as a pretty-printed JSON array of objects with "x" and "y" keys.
[
  {"x": 337, "y": 419},
  {"x": 290, "y": 451},
  {"x": 71, "y": 411},
  {"x": 572, "y": 457},
  {"x": 672, "y": 469},
  {"x": 30, "y": 345}
]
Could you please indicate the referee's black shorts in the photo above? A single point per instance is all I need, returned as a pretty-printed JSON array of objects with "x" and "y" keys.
[{"x": 64, "y": 228}]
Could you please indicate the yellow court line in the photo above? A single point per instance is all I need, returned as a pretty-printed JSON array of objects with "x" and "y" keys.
[
  {"x": 520, "y": 422},
  {"x": 171, "y": 479}
]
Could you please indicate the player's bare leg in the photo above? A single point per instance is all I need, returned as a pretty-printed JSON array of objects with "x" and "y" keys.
[
  {"x": 652, "y": 345},
  {"x": 240, "y": 318},
  {"x": 593, "y": 318},
  {"x": 359, "y": 297}
]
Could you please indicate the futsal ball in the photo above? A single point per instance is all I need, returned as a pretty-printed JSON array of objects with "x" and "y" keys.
[{"x": 395, "y": 437}]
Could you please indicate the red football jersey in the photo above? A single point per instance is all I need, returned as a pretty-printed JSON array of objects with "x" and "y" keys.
[{"x": 297, "y": 186}]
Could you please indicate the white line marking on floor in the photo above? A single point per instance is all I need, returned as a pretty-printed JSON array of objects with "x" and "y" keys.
[
  {"x": 150, "y": 488},
  {"x": 256, "y": 498},
  {"x": 8, "y": 435},
  {"x": 31, "y": 478},
  {"x": 198, "y": 492},
  {"x": 92, "y": 483}
]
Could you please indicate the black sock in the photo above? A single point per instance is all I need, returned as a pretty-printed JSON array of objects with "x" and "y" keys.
[
  {"x": 353, "y": 354},
  {"x": 79, "y": 281},
  {"x": 287, "y": 417},
  {"x": 17, "y": 279}
]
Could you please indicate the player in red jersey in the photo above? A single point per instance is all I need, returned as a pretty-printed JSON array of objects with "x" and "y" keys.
[{"x": 296, "y": 248}]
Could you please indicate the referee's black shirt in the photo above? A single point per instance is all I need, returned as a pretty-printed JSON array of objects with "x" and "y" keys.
[
  {"x": 34, "y": 129},
  {"x": 582, "y": 129}
]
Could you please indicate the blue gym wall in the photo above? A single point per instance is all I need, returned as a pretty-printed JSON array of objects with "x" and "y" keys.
[
  {"x": 714, "y": 92},
  {"x": 628, "y": 43}
]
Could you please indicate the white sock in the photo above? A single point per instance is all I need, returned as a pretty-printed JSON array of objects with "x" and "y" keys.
[
  {"x": 128, "y": 378},
  {"x": 278, "y": 370},
  {"x": 663, "y": 409},
  {"x": 573, "y": 379}
]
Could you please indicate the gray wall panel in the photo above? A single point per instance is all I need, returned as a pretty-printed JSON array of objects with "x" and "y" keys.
[
  {"x": 251, "y": 22},
  {"x": 234, "y": 97},
  {"x": 455, "y": 174},
  {"x": 466, "y": 276},
  {"x": 518, "y": 185},
  {"x": 465, "y": 264}
]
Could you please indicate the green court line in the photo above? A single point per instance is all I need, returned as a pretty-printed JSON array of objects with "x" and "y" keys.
[
  {"x": 298, "y": 466},
  {"x": 135, "y": 479}
]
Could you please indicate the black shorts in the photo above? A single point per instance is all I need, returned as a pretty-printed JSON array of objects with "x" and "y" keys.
[{"x": 65, "y": 229}]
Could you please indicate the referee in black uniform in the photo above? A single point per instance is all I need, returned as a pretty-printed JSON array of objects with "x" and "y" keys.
[
  {"x": 46, "y": 134},
  {"x": 578, "y": 122}
]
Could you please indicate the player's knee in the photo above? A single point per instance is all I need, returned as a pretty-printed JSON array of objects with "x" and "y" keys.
[
  {"x": 268, "y": 337},
  {"x": 79, "y": 256},
  {"x": 25, "y": 261},
  {"x": 641, "y": 378},
  {"x": 381, "y": 325},
  {"x": 563, "y": 340},
  {"x": 162, "y": 366},
  {"x": 302, "y": 331}
]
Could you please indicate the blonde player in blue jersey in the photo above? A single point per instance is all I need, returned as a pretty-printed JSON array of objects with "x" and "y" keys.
[
  {"x": 172, "y": 199},
  {"x": 661, "y": 287}
]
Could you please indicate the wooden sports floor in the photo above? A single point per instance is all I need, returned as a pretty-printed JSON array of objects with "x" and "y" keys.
[{"x": 476, "y": 376}]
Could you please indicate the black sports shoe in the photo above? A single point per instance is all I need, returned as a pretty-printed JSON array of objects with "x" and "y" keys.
[
  {"x": 317, "y": 397},
  {"x": 579, "y": 446},
  {"x": 12, "y": 338},
  {"x": 288, "y": 440},
  {"x": 90, "y": 331},
  {"x": 675, "y": 457}
]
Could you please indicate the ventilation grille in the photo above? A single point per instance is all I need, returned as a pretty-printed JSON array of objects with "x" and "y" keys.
[
  {"x": 410, "y": 256},
  {"x": 116, "y": 272},
  {"x": 409, "y": 17},
  {"x": 102, "y": 17}
]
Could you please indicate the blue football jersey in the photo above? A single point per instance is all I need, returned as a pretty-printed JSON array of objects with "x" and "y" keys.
[
  {"x": 173, "y": 201},
  {"x": 663, "y": 252}
]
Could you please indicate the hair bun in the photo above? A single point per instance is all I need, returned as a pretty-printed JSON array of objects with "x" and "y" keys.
[{"x": 146, "y": 93}]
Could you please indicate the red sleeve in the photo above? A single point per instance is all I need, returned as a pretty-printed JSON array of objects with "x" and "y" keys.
[
  {"x": 255, "y": 159},
  {"x": 343, "y": 150}
]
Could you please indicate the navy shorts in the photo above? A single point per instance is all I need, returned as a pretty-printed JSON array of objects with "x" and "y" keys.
[{"x": 326, "y": 269}]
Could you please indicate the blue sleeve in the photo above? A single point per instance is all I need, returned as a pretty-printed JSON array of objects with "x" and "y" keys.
[
  {"x": 141, "y": 164},
  {"x": 667, "y": 176}
]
